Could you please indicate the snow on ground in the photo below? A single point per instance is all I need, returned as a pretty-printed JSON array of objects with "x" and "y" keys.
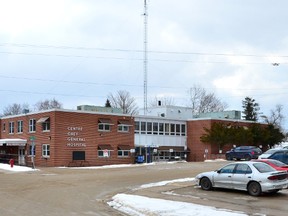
[
  {"x": 162, "y": 183},
  {"x": 142, "y": 206},
  {"x": 15, "y": 168}
]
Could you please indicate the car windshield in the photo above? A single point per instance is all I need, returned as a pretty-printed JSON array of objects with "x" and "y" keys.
[
  {"x": 277, "y": 163},
  {"x": 263, "y": 167}
]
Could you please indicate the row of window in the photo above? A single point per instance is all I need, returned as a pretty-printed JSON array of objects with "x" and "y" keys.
[
  {"x": 102, "y": 126},
  {"x": 107, "y": 127},
  {"x": 107, "y": 153},
  {"x": 32, "y": 126},
  {"x": 158, "y": 128},
  {"x": 101, "y": 152},
  {"x": 45, "y": 150}
]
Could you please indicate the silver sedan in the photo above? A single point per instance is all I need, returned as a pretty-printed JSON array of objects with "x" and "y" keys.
[{"x": 254, "y": 177}]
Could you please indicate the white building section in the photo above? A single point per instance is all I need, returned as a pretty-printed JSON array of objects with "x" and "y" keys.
[{"x": 160, "y": 138}]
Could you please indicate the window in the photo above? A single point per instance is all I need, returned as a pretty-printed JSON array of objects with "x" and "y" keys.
[
  {"x": 167, "y": 129},
  {"x": 104, "y": 150},
  {"x": 178, "y": 129},
  {"x": 123, "y": 150},
  {"x": 149, "y": 127},
  {"x": 228, "y": 169},
  {"x": 104, "y": 125},
  {"x": 155, "y": 127},
  {"x": 11, "y": 127},
  {"x": 45, "y": 122},
  {"x": 143, "y": 127},
  {"x": 46, "y": 126},
  {"x": 123, "y": 153},
  {"x": 4, "y": 127},
  {"x": 243, "y": 169},
  {"x": 20, "y": 126},
  {"x": 161, "y": 128},
  {"x": 32, "y": 125},
  {"x": 137, "y": 127},
  {"x": 183, "y": 130},
  {"x": 263, "y": 167},
  {"x": 32, "y": 150},
  {"x": 123, "y": 126},
  {"x": 45, "y": 150},
  {"x": 172, "y": 129}
]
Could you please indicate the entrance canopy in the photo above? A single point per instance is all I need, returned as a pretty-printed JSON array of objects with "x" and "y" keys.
[{"x": 13, "y": 142}]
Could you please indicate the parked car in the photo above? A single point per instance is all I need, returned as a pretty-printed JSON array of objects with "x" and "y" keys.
[
  {"x": 267, "y": 153},
  {"x": 243, "y": 152},
  {"x": 276, "y": 164},
  {"x": 251, "y": 176},
  {"x": 281, "y": 155}
]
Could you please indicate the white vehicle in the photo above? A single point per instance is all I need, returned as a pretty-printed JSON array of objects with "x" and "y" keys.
[
  {"x": 267, "y": 153},
  {"x": 254, "y": 177}
]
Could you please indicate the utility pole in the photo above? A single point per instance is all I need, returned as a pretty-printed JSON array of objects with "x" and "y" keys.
[{"x": 145, "y": 61}]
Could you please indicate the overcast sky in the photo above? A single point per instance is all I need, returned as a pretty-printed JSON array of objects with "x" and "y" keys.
[{"x": 78, "y": 51}]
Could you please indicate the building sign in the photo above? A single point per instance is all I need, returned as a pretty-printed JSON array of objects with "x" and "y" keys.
[
  {"x": 74, "y": 138},
  {"x": 105, "y": 153}
]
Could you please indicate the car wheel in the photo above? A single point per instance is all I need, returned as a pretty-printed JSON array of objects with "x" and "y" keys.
[
  {"x": 254, "y": 189},
  {"x": 229, "y": 157},
  {"x": 247, "y": 157},
  {"x": 206, "y": 184}
]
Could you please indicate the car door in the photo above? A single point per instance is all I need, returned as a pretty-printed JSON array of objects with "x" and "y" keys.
[
  {"x": 241, "y": 176},
  {"x": 222, "y": 178}
]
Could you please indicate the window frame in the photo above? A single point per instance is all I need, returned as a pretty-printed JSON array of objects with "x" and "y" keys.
[
  {"x": 124, "y": 153},
  {"x": 46, "y": 150},
  {"x": 123, "y": 128},
  {"x": 104, "y": 127},
  {"x": 32, "y": 125},
  {"x": 20, "y": 126},
  {"x": 100, "y": 153},
  {"x": 11, "y": 127},
  {"x": 46, "y": 126},
  {"x": 149, "y": 127}
]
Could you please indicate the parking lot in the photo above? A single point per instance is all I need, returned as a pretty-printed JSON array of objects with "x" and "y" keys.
[{"x": 86, "y": 191}]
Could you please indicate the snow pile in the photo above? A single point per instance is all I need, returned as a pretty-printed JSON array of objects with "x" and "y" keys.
[
  {"x": 16, "y": 168},
  {"x": 162, "y": 183},
  {"x": 142, "y": 206}
]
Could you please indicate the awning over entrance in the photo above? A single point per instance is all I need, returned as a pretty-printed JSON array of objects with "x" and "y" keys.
[
  {"x": 13, "y": 142},
  {"x": 43, "y": 119},
  {"x": 104, "y": 147}
]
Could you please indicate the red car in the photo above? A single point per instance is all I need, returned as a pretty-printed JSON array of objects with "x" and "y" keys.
[{"x": 278, "y": 165}]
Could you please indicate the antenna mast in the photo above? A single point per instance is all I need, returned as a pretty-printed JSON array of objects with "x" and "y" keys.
[{"x": 145, "y": 56}]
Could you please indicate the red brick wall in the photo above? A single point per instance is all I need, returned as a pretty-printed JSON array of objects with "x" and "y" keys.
[
  {"x": 57, "y": 137},
  {"x": 195, "y": 129}
]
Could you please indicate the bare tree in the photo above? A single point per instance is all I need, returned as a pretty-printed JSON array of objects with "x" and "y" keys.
[
  {"x": 276, "y": 117},
  {"x": 164, "y": 101},
  {"x": 48, "y": 104},
  {"x": 13, "y": 109},
  {"x": 122, "y": 99},
  {"x": 201, "y": 101}
]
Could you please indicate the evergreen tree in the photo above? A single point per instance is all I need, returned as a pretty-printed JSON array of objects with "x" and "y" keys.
[
  {"x": 251, "y": 109},
  {"x": 107, "y": 104}
]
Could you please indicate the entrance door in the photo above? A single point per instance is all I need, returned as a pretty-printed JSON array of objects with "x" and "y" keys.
[{"x": 21, "y": 155}]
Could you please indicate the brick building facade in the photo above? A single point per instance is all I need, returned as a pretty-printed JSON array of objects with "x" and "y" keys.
[
  {"x": 86, "y": 138},
  {"x": 68, "y": 138}
]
